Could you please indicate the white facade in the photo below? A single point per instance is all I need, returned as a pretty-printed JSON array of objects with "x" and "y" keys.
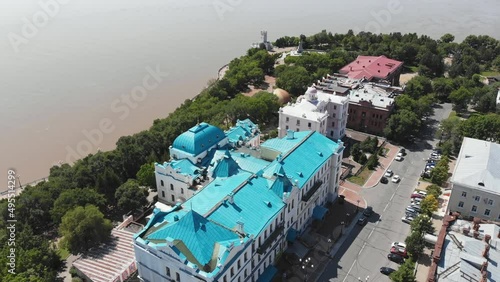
[
  {"x": 316, "y": 110},
  {"x": 476, "y": 180}
]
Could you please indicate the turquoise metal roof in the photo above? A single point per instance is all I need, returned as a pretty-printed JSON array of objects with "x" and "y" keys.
[
  {"x": 243, "y": 129},
  {"x": 198, "y": 234},
  {"x": 254, "y": 204},
  {"x": 225, "y": 166},
  {"x": 198, "y": 138},
  {"x": 285, "y": 144},
  {"x": 306, "y": 159},
  {"x": 185, "y": 166},
  {"x": 248, "y": 162}
]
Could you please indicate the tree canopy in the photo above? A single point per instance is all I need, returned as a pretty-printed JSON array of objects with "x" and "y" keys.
[{"x": 130, "y": 196}]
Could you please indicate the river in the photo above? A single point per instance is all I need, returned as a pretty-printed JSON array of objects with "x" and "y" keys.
[{"x": 76, "y": 75}]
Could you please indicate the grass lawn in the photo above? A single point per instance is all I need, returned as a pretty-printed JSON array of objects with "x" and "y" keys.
[
  {"x": 63, "y": 253},
  {"x": 361, "y": 178}
]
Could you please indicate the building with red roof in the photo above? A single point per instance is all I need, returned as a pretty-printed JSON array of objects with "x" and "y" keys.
[{"x": 376, "y": 69}]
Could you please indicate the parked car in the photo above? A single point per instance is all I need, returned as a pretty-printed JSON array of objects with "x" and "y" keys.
[
  {"x": 407, "y": 219},
  {"x": 423, "y": 193},
  {"x": 384, "y": 180},
  {"x": 409, "y": 209},
  {"x": 396, "y": 258},
  {"x": 368, "y": 211},
  {"x": 386, "y": 270},
  {"x": 395, "y": 179},
  {"x": 416, "y": 195},
  {"x": 399, "y": 157},
  {"x": 388, "y": 173},
  {"x": 362, "y": 220},
  {"x": 399, "y": 251},
  {"x": 398, "y": 244},
  {"x": 416, "y": 208},
  {"x": 402, "y": 151}
]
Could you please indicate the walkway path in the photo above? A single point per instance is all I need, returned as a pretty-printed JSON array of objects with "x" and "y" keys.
[{"x": 385, "y": 162}]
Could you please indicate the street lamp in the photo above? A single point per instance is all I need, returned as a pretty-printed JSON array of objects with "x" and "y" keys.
[
  {"x": 342, "y": 227},
  {"x": 357, "y": 207}
]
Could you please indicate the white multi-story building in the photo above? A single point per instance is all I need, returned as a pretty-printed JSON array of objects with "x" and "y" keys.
[
  {"x": 316, "y": 110},
  {"x": 255, "y": 201},
  {"x": 476, "y": 180}
]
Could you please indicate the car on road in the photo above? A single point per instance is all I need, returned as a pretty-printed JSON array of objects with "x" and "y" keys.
[
  {"x": 399, "y": 251},
  {"x": 398, "y": 244},
  {"x": 407, "y": 219},
  {"x": 388, "y": 173},
  {"x": 387, "y": 270},
  {"x": 368, "y": 211},
  {"x": 396, "y": 258},
  {"x": 362, "y": 220},
  {"x": 384, "y": 180},
  {"x": 396, "y": 179}
]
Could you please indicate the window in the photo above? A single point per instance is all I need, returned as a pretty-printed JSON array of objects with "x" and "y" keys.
[
  {"x": 334, "y": 115},
  {"x": 177, "y": 277},
  {"x": 232, "y": 272},
  {"x": 331, "y": 133},
  {"x": 334, "y": 107},
  {"x": 173, "y": 198},
  {"x": 297, "y": 130},
  {"x": 161, "y": 183},
  {"x": 172, "y": 187},
  {"x": 490, "y": 202},
  {"x": 245, "y": 257},
  {"x": 363, "y": 114},
  {"x": 286, "y": 127},
  {"x": 298, "y": 122},
  {"x": 182, "y": 190},
  {"x": 265, "y": 234},
  {"x": 464, "y": 194},
  {"x": 287, "y": 119},
  {"x": 163, "y": 194},
  {"x": 168, "y": 271},
  {"x": 460, "y": 204},
  {"x": 225, "y": 279},
  {"x": 246, "y": 273},
  {"x": 239, "y": 264},
  {"x": 477, "y": 198},
  {"x": 309, "y": 124},
  {"x": 474, "y": 209},
  {"x": 487, "y": 212}
]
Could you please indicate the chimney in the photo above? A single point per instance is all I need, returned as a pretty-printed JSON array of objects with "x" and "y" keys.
[
  {"x": 486, "y": 251},
  {"x": 475, "y": 234},
  {"x": 487, "y": 238},
  {"x": 231, "y": 198},
  {"x": 484, "y": 267},
  {"x": 240, "y": 227},
  {"x": 290, "y": 134}
]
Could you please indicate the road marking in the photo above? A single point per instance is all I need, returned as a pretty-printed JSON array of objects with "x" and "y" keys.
[
  {"x": 364, "y": 244},
  {"x": 386, "y": 206},
  {"x": 392, "y": 197},
  {"x": 371, "y": 232},
  {"x": 347, "y": 275}
]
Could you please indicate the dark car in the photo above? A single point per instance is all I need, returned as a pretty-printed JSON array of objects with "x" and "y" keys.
[
  {"x": 387, "y": 270},
  {"x": 396, "y": 258},
  {"x": 403, "y": 151},
  {"x": 368, "y": 211},
  {"x": 384, "y": 180},
  {"x": 362, "y": 220}
]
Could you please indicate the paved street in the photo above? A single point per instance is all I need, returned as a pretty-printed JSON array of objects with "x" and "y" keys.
[{"x": 366, "y": 249}]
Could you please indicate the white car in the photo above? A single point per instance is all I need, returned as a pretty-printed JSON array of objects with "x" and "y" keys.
[
  {"x": 407, "y": 219},
  {"x": 398, "y": 245},
  {"x": 395, "y": 179},
  {"x": 388, "y": 173},
  {"x": 399, "y": 158},
  {"x": 423, "y": 193}
]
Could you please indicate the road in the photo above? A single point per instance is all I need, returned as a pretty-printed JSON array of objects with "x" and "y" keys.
[{"x": 365, "y": 251}]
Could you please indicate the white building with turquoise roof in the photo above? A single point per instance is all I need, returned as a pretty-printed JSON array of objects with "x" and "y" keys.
[{"x": 252, "y": 201}]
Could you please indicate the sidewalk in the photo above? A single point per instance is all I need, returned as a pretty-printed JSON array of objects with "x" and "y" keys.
[
  {"x": 385, "y": 162},
  {"x": 327, "y": 237}
]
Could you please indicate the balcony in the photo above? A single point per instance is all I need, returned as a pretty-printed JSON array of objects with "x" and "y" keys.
[
  {"x": 262, "y": 249},
  {"x": 311, "y": 191}
]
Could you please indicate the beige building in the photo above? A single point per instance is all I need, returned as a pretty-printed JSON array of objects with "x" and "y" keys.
[{"x": 476, "y": 180}]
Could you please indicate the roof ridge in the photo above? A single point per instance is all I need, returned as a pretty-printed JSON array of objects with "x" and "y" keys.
[
  {"x": 235, "y": 190},
  {"x": 298, "y": 144}
]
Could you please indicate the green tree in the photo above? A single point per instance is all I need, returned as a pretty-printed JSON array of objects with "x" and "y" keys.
[
  {"x": 434, "y": 190},
  {"x": 146, "y": 175},
  {"x": 130, "y": 196},
  {"x": 460, "y": 98},
  {"x": 439, "y": 175},
  {"x": 294, "y": 79},
  {"x": 405, "y": 272},
  {"x": 442, "y": 87},
  {"x": 362, "y": 159},
  {"x": 415, "y": 244},
  {"x": 418, "y": 87},
  {"x": 402, "y": 125},
  {"x": 429, "y": 205},
  {"x": 83, "y": 228},
  {"x": 356, "y": 152},
  {"x": 372, "y": 162},
  {"x": 422, "y": 224},
  {"x": 72, "y": 198},
  {"x": 447, "y": 38},
  {"x": 107, "y": 184}
]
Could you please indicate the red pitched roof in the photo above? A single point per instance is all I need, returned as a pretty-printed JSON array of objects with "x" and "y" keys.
[{"x": 370, "y": 67}]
